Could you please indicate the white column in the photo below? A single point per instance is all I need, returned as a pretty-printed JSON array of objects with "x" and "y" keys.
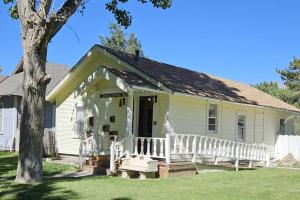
[
  {"x": 129, "y": 111},
  {"x": 112, "y": 157}
]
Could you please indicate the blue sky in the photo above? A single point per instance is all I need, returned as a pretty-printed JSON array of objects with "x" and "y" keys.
[{"x": 239, "y": 40}]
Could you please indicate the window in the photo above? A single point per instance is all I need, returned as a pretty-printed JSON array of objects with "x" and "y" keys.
[
  {"x": 241, "y": 127},
  {"x": 79, "y": 122},
  {"x": 281, "y": 126},
  {"x": 1, "y": 117},
  {"x": 212, "y": 117}
]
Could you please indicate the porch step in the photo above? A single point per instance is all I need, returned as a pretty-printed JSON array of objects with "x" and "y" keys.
[
  {"x": 99, "y": 161},
  {"x": 97, "y": 170},
  {"x": 176, "y": 169}
]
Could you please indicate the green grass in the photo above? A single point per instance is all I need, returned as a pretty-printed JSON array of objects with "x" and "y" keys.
[
  {"x": 248, "y": 184},
  {"x": 9, "y": 161}
]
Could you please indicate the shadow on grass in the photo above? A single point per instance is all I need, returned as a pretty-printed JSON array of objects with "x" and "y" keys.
[
  {"x": 8, "y": 165},
  {"x": 49, "y": 189},
  {"x": 9, "y": 162},
  {"x": 46, "y": 190}
]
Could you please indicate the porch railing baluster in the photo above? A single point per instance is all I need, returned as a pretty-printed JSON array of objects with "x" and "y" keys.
[
  {"x": 154, "y": 154},
  {"x": 148, "y": 146}
]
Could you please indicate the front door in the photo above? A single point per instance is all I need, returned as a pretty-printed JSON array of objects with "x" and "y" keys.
[
  {"x": 145, "y": 122},
  {"x": 145, "y": 116}
]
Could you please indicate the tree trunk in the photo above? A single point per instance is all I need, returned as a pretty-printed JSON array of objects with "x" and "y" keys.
[{"x": 32, "y": 125}]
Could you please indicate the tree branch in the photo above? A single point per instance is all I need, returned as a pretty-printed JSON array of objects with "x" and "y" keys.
[
  {"x": 44, "y": 8},
  {"x": 57, "y": 20}
]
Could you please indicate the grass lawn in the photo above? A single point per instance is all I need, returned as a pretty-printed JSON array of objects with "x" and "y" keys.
[{"x": 253, "y": 184}]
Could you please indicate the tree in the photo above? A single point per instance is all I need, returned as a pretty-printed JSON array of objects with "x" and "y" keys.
[
  {"x": 39, "y": 24},
  {"x": 282, "y": 93},
  {"x": 291, "y": 77},
  {"x": 117, "y": 40}
]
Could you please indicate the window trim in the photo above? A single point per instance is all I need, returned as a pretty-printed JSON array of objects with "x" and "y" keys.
[
  {"x": 237, "y": 126},
  {"x": 284, "y": 123},
  {"x": 2, "y": 118},
  {"x": 216, "y": 118},
  {"x": 75, "y": 134}
]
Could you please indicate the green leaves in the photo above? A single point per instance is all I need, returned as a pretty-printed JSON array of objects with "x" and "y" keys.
[
  {"x": 123, "y": 17},
  {"x": 283, "y": 93},
  {"x": 13, "y": 10},
  {"x": 291, "y": 77}
]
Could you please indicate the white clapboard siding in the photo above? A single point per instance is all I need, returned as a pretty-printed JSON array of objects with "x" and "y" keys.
[
  {"x": 65, "y": 116},
  {"x": 189, "y": 116},
  {"x": 163, "y": 103}
]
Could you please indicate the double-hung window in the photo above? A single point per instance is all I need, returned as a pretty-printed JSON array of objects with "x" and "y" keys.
[
  {"x": 281, "y": 126},
  {"x": 212, "y": 118},
  {"x": 241, "y": 127}
]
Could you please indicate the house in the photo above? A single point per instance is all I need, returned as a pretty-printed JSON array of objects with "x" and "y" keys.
[
  {"x": 10, "y": 104},
  {"x": 116, "y": 103}
]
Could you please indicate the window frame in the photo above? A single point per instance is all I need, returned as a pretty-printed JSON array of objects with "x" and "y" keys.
[
  {"x": 216, "y": 118},
  {"x": 279, "y": 132},
  {"x": 244, "y": 127},
  {"x": 75, "y": 133},
  {"x": 2, "y": 118}
]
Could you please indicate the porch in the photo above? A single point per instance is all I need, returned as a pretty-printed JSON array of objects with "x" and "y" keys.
[{"x": 178, "y": 148}]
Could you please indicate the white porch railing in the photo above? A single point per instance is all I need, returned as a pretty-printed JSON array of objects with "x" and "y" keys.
[
  {"x": 196, "y": 145},
  {"x": 87, "y": 148},
  {"x": 153, "y": 147},
  {"x": 193, "y": 145}
]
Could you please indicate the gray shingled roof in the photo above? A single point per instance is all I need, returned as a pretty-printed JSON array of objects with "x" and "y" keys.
[
  {"x": 132, "y": 78},
  {"x": 190, "y": 82},
  {"x": 13, "y": 84}
]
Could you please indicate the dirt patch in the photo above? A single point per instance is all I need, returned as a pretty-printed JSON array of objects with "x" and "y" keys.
[{"x": 289, "y": 161}]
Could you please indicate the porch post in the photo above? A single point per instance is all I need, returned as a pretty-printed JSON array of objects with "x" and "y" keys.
[
  {"x": 129, "y": 113},
  {"x": 268, "y": 159},
  {"x": 112, "y": 157},
  {"x": 167, "y": 146},
  {"x": 129, "y": 119}
]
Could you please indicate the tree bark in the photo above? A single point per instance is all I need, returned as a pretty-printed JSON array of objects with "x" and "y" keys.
[
  {"x": 38, "y": 28},
  {"x": 32, "y": 125}
]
